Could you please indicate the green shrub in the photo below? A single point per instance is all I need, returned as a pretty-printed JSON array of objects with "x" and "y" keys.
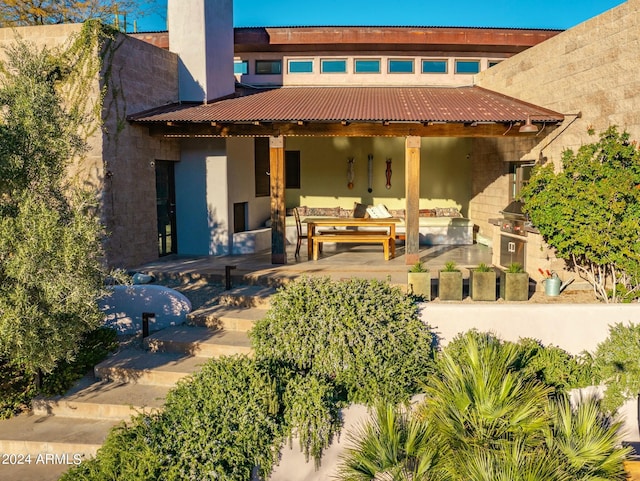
[
  {"x": 220, "y": 424},
  {"x": 554, "y": 366},
  {"x": 363, "y": 334},
  {"x": 129, "y": 452},
  {"x": 18, "y": 387},
  {"x": 515, "y": 268},
  {"x": 482, "y": 267},
  {"x": 94, "y": 348},
  {"x": 418, "y": 267},
  {"x": 551, "y": 365},
  {"x": 450, "y": 266},
  {"x": 311, "y": 413},
  {"x": 617, "y": 360}
]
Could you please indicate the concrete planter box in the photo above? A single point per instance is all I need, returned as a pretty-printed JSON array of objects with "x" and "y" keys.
[
  {"x": 419, "y": 284},
  {"x": 514, "y": 286},
  {"x": 482, "y": 285},
  {"x": 450, "y": 286}
]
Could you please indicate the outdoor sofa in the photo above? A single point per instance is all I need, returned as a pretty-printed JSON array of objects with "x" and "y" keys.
[{"x": 437, "y": 226}]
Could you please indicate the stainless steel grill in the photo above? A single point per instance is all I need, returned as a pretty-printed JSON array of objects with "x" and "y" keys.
[{"x": 513, "y": 237}]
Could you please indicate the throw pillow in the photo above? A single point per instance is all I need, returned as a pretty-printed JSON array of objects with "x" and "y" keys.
[{"x": 360, "y": 211}]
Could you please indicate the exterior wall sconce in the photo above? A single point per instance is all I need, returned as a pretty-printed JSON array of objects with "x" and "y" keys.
[{"x": 528, "y": 127}]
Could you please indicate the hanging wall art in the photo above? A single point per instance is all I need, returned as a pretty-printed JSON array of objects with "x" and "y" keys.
[
  {"x": 350, "y": 173},
  {"x": 388, "y": 173}
]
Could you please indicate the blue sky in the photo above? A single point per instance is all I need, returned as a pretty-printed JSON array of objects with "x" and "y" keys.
[{"x": 555, "y": 14}]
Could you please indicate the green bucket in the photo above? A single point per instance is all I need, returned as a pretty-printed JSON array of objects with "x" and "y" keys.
[{"x": 552, "y": 286}]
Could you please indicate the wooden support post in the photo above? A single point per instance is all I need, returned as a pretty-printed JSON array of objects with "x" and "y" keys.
[
  {"x": 278, "y": 205},
  {"x": 412, "y": 196}
]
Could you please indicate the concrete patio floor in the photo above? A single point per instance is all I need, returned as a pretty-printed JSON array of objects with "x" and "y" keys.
[
  {"x": 340, "y": 262},
  {"x": 337, "y": 261}
]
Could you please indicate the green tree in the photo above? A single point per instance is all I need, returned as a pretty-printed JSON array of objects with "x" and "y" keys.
[
  {"x": 15, "y": 13},
  {"x": 479, "y": 400},
  {"x": 590, "y": 213},
  {"x": 51, "y": 270}
]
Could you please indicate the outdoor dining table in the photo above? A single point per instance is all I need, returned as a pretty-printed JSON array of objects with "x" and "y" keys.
[{"x": 388, "y": 223}]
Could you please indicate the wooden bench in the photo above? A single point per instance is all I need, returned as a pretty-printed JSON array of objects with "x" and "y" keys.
[{"x": 354, "y": 237}]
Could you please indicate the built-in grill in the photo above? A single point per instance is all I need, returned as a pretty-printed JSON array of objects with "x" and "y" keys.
[{"x": 513, "y": 235}]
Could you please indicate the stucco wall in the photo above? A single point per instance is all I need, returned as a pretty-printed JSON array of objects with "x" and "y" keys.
[
  {"x": 445, "y": 175},
  {"x": 137, "y": 76},
  {"x": 202, "y": 198},
  {"x": 240, "y": 152}
]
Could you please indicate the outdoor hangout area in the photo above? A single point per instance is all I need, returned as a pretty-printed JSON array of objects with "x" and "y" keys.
[{"x": 304, "y": 253}]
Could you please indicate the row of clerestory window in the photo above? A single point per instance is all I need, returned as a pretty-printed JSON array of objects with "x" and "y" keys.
[{"x": 360, "y": 66}]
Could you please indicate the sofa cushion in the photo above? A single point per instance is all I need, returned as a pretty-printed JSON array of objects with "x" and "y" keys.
[
  {"x": 323, "y": 212},
  {"x": 346, "y": 213},
  {"x": 448, "y": 212}
]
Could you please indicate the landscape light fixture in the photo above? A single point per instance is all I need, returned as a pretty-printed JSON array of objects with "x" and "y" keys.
[{"x": 528, "y": 127}]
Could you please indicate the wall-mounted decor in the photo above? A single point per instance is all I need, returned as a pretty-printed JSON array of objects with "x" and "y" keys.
[
  {"x": 350, "y": 173},
  {"x": 388, "y": 173},
  {"x": 370, "y": 159}
]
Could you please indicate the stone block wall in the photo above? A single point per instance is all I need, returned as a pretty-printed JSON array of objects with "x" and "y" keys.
[
  {"x": 137, "y": 76},
  {"x": 119, "y": 165},
  {"x": 490, "y": 181},
  {"x": 590, "y": 68}
]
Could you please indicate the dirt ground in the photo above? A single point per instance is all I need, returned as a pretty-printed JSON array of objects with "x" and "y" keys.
[{"x": 582, "y": 296}]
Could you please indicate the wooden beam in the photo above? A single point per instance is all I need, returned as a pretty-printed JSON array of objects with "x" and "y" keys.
[
  {"x": 278, "y": 204},
  {"x": 412, "y": 198},
  {"x": 336, "y": 129}
]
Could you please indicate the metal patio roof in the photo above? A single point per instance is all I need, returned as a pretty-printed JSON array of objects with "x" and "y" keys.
[{"x": 356, "y": 104}]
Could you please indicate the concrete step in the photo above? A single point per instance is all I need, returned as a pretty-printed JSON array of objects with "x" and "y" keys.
[
  {"x": 247, "y": 296},
  {"x": 142, "y": 367},
  {"x": 229, "y": 318},
  {"x": 93, "y": 399},
  {"x": 199, "y": 341},
  {"x": 49, "y": 471},
  {"x": 32, "y": 435}
]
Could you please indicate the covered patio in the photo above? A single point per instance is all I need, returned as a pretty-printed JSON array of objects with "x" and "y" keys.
[{"x": 410, "y": 114}]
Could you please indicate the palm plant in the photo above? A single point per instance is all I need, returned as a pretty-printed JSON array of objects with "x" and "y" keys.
[
  {"x": 586, "y": 440},
  {"x": 393, "y": 446},
  {"x": 479, "y": 401},
  {"x": 514, "y": 462},
  {"x": 486, "y": 417}
]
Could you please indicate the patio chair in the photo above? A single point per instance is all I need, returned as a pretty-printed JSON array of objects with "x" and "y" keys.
[{"x": 300, "y": 237}]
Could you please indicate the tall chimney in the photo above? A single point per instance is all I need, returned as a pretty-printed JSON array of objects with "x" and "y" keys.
[{"x": 201, "y": 33}]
